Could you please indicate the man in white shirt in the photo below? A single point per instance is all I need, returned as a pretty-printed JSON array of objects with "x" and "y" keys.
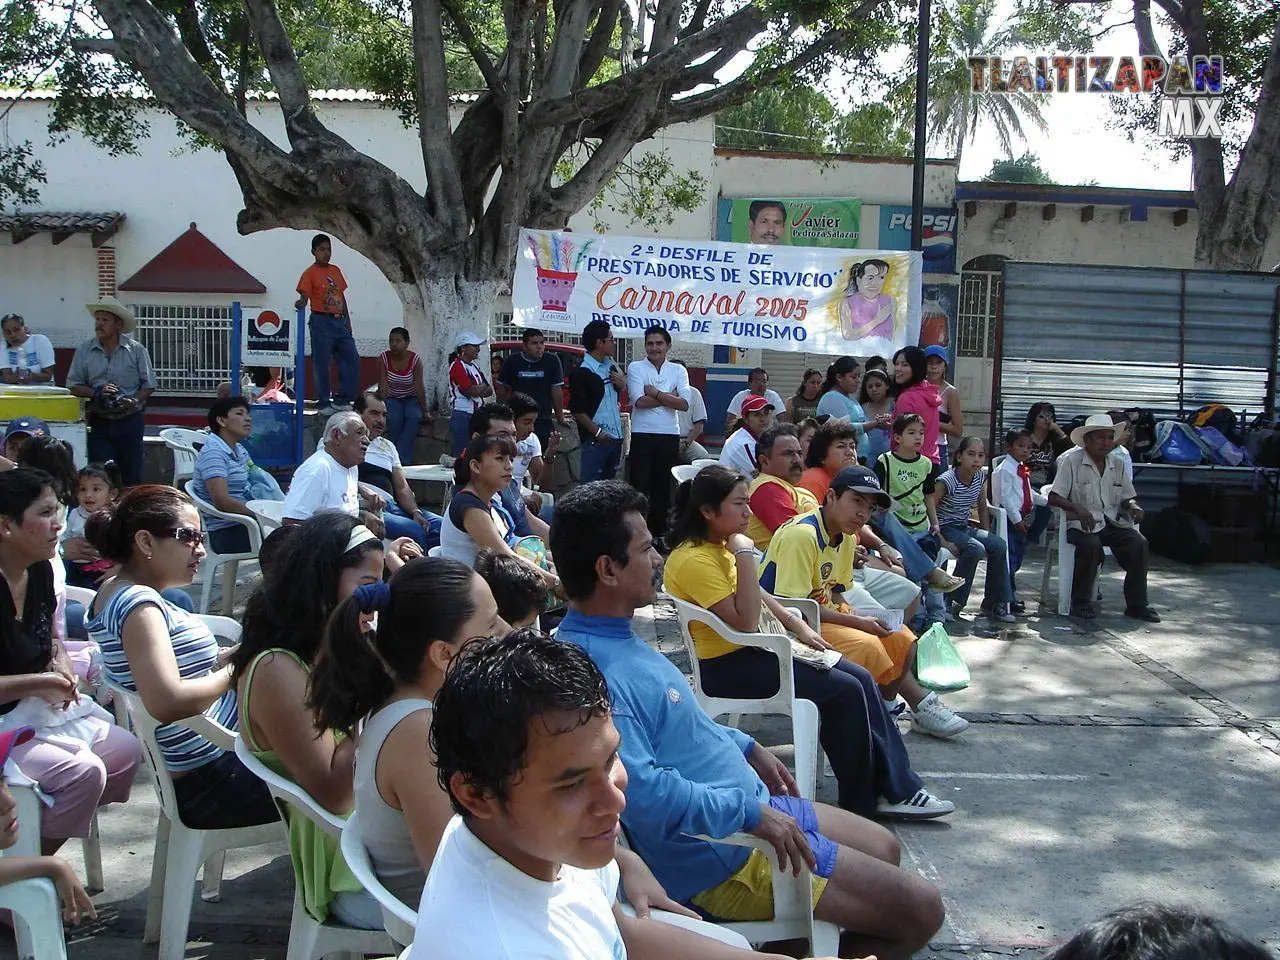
[
  {"x": 692, "y": 422},
  {"x": 381, "y": 474},
  {"x": 757, "y": 385},
  {"x": 327, "y": 480},
  {"x": 659, "y": 390},
  {"x": 28, "y": 357},
  {"x": 526, "y": 746}
]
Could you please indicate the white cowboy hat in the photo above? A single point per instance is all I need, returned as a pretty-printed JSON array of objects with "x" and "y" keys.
[
  {"x": 114, "y": 307},
  {"x": 1098, "y": 421}
]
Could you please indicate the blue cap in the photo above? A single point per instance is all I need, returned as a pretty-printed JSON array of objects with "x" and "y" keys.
[
  {"x": 31, "y": 426},
  {"x": 934, "y": 350}
]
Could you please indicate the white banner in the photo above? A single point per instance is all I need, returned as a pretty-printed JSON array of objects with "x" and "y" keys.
[
  {"x": 830, "y": 301},
  {"x": 265, "y": 338}
]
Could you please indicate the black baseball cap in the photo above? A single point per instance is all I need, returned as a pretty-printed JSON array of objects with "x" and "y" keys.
[{"x": 861, "y": 480}]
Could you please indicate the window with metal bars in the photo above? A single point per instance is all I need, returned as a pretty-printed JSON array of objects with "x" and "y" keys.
[
  {"x": 976, "y": 325},
  {"x": 190, "y": 346}
]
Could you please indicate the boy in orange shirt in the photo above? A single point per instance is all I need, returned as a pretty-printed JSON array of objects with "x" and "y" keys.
[{"x": 323, "y": 286}]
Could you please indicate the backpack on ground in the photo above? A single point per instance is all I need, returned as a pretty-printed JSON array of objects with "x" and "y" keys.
[
  {"x": 1142, "y": 432},
  {"x": 1177, "y": 442},
  {"x": 1178, "y": 534},
  {"x": 1219, "y": 416}
]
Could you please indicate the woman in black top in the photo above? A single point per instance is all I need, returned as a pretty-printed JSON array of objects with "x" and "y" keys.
[
  {"x": 1048, "y": 442},
  {"x": 82, "y": 762}
]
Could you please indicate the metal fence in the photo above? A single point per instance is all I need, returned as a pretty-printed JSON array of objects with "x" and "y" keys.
[{"x": 190, "y": 346}]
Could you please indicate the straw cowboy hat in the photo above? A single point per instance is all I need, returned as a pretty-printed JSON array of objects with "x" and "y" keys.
[
  {"x": 1098, "y": 421},
  {"x": 114, "y": 307}
]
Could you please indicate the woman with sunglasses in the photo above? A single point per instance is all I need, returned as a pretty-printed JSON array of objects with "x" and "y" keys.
[{"x": 169, "y": 656}]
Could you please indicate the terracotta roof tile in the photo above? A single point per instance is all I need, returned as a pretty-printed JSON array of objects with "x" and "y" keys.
[
  {"x": 193, "y": 264},
  {"x": 33, "y": 221}
]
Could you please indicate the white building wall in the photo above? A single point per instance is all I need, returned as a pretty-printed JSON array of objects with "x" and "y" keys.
[{"x": 170, "y": 184}]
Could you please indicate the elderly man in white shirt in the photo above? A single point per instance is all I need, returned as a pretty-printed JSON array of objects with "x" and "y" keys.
[
  {"x": 659, "y": 391},
  {"x": 328, "y": 479}
]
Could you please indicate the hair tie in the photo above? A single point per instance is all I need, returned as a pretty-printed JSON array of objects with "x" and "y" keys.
[{"x": 372, "y": 596}]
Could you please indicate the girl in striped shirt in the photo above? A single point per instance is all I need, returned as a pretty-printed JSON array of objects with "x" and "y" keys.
[{"x": 960, "y": 492}]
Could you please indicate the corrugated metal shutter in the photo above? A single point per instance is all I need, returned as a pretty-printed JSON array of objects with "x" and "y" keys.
[
  {"x": 786, "y": 368},
  {"x": 1090, "y": 338}
]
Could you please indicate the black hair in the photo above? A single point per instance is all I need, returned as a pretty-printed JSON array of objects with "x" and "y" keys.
[
  {"x": 827, "y": 434},
  {"x": 273, "y": 545},
  {"x": 530, "y": 333},
  {"x": 1146, "y": 931},
  {"x": 594, "y": 332},
  {"x": 658, "y": 328},
  {"x": 318, "y": 239},
  {"x": 877, "y": 362},
  {"x": 766, "y": 440},
  {"x": 808, "y": 423},
  {"x": 152, "y": 507},
  {"x": 1036, "y": 409},
  {"x": 521, "y": 404},
  {"x": 20, "y": 488},
  {"x": 754, "y": 370},
  {"x": 1013, "y": 435},
  {"x": 493, "y": 693},
  {"x": 361, "y": 403},
  {"x": 477, "y": 447},
  {"x": 859, "y": 270},
  {"x": 904, "y": 420},
  {"x": 400, "y": 330},
  {"x": 223, "y": 407},
  {"x": 107, "y": 472},
  {"x": 810, "y": 372},
  {"x": 838, "y": 368},
  {"x": 964, "y": 444},
  {"x": 710, "y": 487},
  {"x": 55, "y": 457},
  {"x": 485, "y": 414},
  {"x": 919, "y": 368},
  {"x": 753, "y": 211},
  {"x": 590, "y": 522},
  {"x": 356, "y": 672},
  {"x": 517, "y": 587},
  {"x": 867, "y": 377},
  {"x": 291, "y": 611}
]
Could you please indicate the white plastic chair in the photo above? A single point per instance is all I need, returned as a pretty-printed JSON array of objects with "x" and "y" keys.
[
  {"x": 803, "y": 713},
  {"x": 1066, "y": 555},
  {"x": 434, "y": 551},
  {"x": 705, "y": 462},
  {"x": 37, "y": 915},
  {"x": 184, "y": 444},
  {"x": 268, "y": 513},
  {"x": 229, "y": 563},
  {"x": 683, "y": 472},
  {"x": 399, "y": 920},
  {"x": 309, "y": 939},
  {"x": 180, "y": 849}
]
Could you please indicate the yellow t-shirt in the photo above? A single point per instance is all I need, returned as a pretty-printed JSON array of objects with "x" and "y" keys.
[
  {"x": 802, "y": 561},
  {"x": 802, "y": 501},
  {"x": 703, "y": 574}
]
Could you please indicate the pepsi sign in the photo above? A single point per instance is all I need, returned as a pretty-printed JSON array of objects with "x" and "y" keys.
[{"x": 939, "y": 235}]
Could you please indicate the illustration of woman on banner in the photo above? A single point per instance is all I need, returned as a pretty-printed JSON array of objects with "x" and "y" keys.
[{"x": 866, "y": 310}]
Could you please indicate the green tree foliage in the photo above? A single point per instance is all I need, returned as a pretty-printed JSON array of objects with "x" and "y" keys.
[{"x": 1024, "y": 169}]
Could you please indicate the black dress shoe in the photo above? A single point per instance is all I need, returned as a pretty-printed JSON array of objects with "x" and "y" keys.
[
  {"x": 1018, "y": 607},
  {"x": 1143, "y": 613},
  {"x": 1084, "y": 611}
]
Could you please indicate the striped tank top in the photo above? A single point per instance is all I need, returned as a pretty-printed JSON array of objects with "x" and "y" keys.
[
  {"x": 400, "y": 384},
  {"x": 196, "y": 650},
  {"x": 961, "y": 500}
]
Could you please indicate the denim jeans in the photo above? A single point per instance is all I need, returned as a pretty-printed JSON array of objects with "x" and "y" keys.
[
  {"x": 233, "y": 539},
  {"x": 1017, "y": 550},
  {"x": 403, "y": 416},
  {"x": 916, "y": 561},
  {"x": 600, "y": 460},
  {"x": 459, "y": 430},
  {"x": 399, "y": 524},
  {"x": 330, "y": 338},
  {"x": 1039, "y": 523},
  {"x": 862, "y": 742},
  {"x": 118, "y": 440},
  {"x": 975, "y": 544}
]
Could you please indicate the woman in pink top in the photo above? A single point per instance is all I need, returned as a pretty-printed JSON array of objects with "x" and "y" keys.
[{"x": 915, "y": 394}]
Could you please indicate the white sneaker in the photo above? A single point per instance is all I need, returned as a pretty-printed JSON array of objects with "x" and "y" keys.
[
  {"x": 935, "y": 718},
  {"x": 923, "y": 806}
]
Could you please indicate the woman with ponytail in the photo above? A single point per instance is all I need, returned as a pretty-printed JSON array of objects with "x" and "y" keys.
[
  {"x": 328, "y": 557},
  {"x": 840, "y": 400},
  {"x": 388, "y": 677},
  {"x": 167, "y": 655}
]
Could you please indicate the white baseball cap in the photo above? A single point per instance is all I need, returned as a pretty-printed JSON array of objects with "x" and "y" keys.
[{"x": 469, "y": 338}]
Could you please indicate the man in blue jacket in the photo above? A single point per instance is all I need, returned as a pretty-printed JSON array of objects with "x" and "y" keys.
[{"x": 690, "y": 776}]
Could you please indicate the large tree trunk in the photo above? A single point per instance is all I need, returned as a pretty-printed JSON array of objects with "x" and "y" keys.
[{"x": 436, "y": 309}]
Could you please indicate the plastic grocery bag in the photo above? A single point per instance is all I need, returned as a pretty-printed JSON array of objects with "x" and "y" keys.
[{"x": 939, "y": 665}]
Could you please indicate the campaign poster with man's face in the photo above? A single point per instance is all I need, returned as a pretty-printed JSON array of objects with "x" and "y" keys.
[{"x": 803, "y": 222}]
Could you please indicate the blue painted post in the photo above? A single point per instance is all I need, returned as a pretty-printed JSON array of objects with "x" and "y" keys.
[
  {"x": 299, "y": 384},
  {"x": 237, "y": 333}
]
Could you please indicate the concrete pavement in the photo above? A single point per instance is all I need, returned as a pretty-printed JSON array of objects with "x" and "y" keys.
[{"x": 1104, "y": 765}]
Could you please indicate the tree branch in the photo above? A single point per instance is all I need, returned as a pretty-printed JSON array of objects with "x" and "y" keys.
[
  {"x": 1175, "y": 10},
  {"x": 597, "y": 47},
  {"x": 1148, "y": 45},
  {"x": 473, "y": 45},
  {"x": 300, "y": 120},
  {"x": 431, "y": 94},
  {"x": 697, "y": 19}
]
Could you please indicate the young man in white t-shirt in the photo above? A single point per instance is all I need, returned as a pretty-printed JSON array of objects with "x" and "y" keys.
[
  {"x": 27, "y": 357},
  {"x": 524, "y": 742},
  {"x": 757, "y": 385}
]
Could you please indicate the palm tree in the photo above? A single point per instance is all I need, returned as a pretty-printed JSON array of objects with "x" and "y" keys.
[{"x": 955, "y": 111}]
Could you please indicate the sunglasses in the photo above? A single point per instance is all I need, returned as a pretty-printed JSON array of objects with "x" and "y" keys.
[{"x": 187, "y": 536}]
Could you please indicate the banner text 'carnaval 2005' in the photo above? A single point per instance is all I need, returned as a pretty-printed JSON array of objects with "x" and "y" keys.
[{"x": 818, "y": 300}]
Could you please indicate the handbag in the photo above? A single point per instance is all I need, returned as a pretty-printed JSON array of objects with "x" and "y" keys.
[{"x": 939, "y": 665}]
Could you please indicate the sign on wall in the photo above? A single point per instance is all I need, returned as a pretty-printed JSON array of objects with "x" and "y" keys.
[
  {"x": 266, "y": 339},
  {"x": 939, "y": 237},
  {"x": 938, "y": 315},
  {"x": 805, "y": 222},
  {"x": 787, "y": 298}
]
